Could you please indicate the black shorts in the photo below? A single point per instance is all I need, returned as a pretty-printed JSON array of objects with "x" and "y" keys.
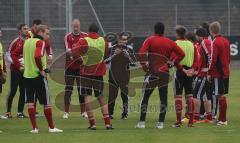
[
  {"x": 37, "y": 89},
  {"x": 92, "y": 83},
  {"x": 220, "y": 86},
  {"x": 202, "y": 89},
  {"x": 72, "y": 72},
  {"x": 182, "y": 81}
]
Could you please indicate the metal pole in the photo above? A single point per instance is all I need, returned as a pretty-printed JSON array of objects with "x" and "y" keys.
[
  {"x": 176, "y": 14},
  {"x": 124, "y": 28},
  {"x": 26, "y": 12},
  {"x": 229, "y": 18},
  {"x": 68, "y": 15}
]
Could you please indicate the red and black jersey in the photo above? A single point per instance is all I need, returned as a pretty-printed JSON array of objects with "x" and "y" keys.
[
  {"x": 16, "y": 44},
  {"x": 203, "y": 57},
  {"x": 71, "y": 39},
  {"x": 93, "y": 70},
  {"x": 159, "y": 50},
  {"x": 220, "y": 58}
]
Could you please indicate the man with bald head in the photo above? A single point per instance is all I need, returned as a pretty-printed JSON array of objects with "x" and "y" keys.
[{"x": 72, "y": 68}]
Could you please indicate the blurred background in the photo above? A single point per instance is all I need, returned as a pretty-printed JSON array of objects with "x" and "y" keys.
[{"x": 136, "y": 16}]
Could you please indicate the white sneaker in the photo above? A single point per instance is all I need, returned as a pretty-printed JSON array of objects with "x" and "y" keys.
[
  {"x": 220, "y": 123},
  {"x": 84, "y": 115},
  {"x": 65, "y": 115},
  {"x": 140, "y": 125},
  {"x": 55, "y": 130},
  {"x": 160, "y": 125},
  {"x": 3, "y": 117},
  {"x": 34, "y": 131}
]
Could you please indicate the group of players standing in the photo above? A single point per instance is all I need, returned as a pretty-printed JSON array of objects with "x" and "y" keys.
[{"x": 202, "y": 71}]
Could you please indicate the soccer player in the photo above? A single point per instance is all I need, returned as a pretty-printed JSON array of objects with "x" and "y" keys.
[
  {"x": 36, "y": 86},
  {"x": 48, "y": 46},
  {"x": 159, "y": 51},
  {"x": 3, "y": 71},
  {"x": 92, "y": 72},
  {"x": 73, "y": 69},
  {"x": 16, "y": 74},
  {"x": 201, "y": 89},
  {"x": 182, "y": 79},
  {"x": 119, "y": 74},
  {"x": 219, "y": 70}
]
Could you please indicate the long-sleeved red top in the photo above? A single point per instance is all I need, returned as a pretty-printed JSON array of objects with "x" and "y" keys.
[
  {"x": 159, "y": 50},
  {"x": 203, "y": 57},
  {"x": 40, "y": 48},
  {"x": 71, "y": 39},
  {"x": 93, "y": 70},
  {"x": 220, "y": 58},
  {"x": 17, "y": 43}
]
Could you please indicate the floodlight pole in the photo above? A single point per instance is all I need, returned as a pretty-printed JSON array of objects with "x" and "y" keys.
[
  {"x": 26, "y": 12},
  {"x": 68, "y": 15}
]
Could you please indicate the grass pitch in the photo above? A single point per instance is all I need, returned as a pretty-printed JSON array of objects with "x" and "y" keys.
[{"x": 75, "y": 128}]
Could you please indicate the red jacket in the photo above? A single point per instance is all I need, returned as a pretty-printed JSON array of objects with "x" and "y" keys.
[
  {"x": 40, "y": 48},
  {"x": 160, "y": 50},
  {"x": 94, "y": 70},
  {"x": 16, "y": 44},
  {"x": 220, "y": 65},
  {"x": 203, "y": 56},
  {"x": 71, "y": 39}
]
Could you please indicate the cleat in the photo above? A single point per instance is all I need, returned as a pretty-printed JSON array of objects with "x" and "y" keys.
[
  {"x": 3, "y": 117},
  {"x": 160, "y": 125},
  {"x": 177, "y": 125},
  {"x": 140, "y": 125},
  {"x": 21, "y": 116},
  {"x": 55, "y": 130},
  {"x": 220, "y": 123},
  {"x": 93, "y": 127},
  {"x": 109, "y": 127},
  {"x": 190, "y": 125},
  {"x": 8, "y": 115},
  {"x": 65, "y": 115},
  {"x": 84, "y": 115},
  {"x": 34, "y": 131},
  {"x": 124, "y": 116}
]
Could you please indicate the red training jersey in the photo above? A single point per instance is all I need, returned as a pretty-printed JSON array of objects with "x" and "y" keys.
[
  {"x": 71, "y": 39},
  {"x": 220, "y": 58},
  {"x": 94, "y": 70},
  {"x": 160, "y": 50}
]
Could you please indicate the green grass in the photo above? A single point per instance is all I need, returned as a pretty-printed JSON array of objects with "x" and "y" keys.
[{"x": 17, "y": 130}]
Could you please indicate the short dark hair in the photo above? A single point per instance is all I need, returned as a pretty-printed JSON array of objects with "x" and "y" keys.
[
  {"x": 93, "y": 28},
  {"x": 181, "y": 31},
  {"x": 191, "y": 36},
  {"x": 41, "y": 28},
  {"x": 201, "y": 32},
  {"x": 159, "y": 28},
  {"x": 205, "y": 25},
  {"x": 20, "y": 26},
  {"x": 37, "y": 21}
]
